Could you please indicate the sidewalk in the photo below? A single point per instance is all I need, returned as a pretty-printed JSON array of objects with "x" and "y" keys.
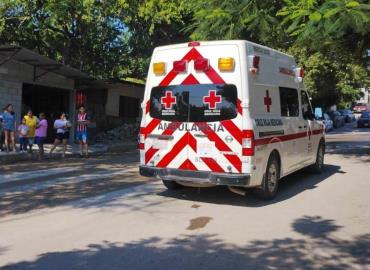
[{"x": 72, "y": 150}]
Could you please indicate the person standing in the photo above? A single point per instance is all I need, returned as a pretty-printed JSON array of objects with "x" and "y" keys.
[
  {"x": 22, "y": 135},
  {"x": 83, "y": 120},
  {"x": 10, "y": 127},
  {"x": 62, "y": 126},
  {"x": 31, "y": 122},
  {"x": 41, "y": 133},
  {"x": 2, "y": 136}
]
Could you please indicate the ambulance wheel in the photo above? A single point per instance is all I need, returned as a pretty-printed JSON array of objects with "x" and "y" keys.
[
  {"x": 271, "y": 179},
  {"x": 319, "y": 164},
  {"x": 171, "y": 185}
]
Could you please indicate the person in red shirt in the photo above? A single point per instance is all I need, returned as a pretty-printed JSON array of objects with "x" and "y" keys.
[{"x": 83, "y": 120}]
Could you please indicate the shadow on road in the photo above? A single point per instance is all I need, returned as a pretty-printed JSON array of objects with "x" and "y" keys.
[
  {"x": 289, "y": 187},
  {"x": 316, "y": 248},
  {"x": 43, "y": 194},
  {"x": 350, "y": 149}
]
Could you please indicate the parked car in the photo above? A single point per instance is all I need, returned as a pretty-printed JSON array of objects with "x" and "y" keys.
[
  {"x": 348, "y": 115},
  {"x": 359, "y": 107},
  {"x": 337, "y": 118},
  {"x": 364, "y": 120}
]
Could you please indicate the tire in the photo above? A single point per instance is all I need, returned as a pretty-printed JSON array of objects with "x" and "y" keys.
[
  {"x": 317, "y": 168},
  {"x": 271, "y": 179},
  {"x": 171, "y": 185}
]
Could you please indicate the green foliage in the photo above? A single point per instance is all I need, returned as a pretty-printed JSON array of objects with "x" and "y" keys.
[
  {"x": 115, "y": 38},
  {"x": 153, "y": 23},
  {"x": 328, "y": 37},
  {"x": 82, "y": 33},
  {"x": 254, "y": 20}
]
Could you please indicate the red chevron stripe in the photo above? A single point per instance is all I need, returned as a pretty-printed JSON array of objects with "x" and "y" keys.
[
  {"x": 177, "y": 148},
  {"x": 233, "y": 130},
  {"x": 235, "y": 160},
  {"x": 188, "y": 165},
  {"x": 190, "y": 80},
  {"x": 147, "y": 107},
  {"x": 212, "y": 164},
  {"x": 149, "y": 154},
  {"x": 168, "y": 131},
  {"x": 239, "y": 105},
  {"x": 151, "y": 126},
  {"x": 220, "y": 145},
  {"x": 214, "y": 76}
]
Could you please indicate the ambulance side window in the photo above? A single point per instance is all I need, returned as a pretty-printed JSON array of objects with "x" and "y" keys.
[
  {"x": 289, "y": 102},
  {"x": 306, "y": 107}
]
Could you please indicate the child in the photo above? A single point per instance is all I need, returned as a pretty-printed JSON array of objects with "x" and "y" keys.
[
  {"x": 22, "y": 134},
  {"x": 62, "y": 126}
]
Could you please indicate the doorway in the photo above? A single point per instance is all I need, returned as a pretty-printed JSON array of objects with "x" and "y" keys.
[{"x": 49, "y": 100}]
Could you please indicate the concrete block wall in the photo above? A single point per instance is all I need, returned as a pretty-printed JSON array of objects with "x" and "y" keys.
[
  {"x": 121, "y": 89},
  {"x": 11, "y": 92}
]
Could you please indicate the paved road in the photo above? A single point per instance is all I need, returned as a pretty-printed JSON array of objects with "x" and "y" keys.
[{"x": 100, "y": 214}]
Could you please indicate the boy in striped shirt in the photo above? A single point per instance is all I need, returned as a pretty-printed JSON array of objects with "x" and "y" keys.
[{"x": 83, "y": 120}]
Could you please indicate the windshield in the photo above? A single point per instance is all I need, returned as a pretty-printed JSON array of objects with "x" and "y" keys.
[
  {"x": 194, "y": 103},
  {"x": 365, "y": 115}
]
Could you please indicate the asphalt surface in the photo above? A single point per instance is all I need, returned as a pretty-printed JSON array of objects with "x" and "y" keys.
[{"x": 100, "y": 214}]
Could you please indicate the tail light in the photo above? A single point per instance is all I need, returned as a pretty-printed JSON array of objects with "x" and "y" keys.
[
  {"x": 193, "y": 44},
  {"x": 248, "y": 143},
  {"x": 201, "y": 64},
  {"x": 180, "y": 66}
]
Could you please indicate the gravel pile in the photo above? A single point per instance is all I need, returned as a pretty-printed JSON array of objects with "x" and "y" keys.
[{"x": 123, "y": 133}]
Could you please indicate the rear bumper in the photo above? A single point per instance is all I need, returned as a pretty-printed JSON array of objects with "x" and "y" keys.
[{"x": 197, "y": 177}]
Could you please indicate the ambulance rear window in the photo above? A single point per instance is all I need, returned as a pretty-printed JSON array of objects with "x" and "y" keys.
[{"x": 194, "y": 103}]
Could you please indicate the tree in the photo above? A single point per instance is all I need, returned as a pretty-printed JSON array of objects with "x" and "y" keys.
[
  {"x": 254, "y": 20},
  {"x": 339, "y": 31},
  {"x": 86, "y": 34},
  {"x": 334, "y": 23},
  {"x": 152, "y": 23}
]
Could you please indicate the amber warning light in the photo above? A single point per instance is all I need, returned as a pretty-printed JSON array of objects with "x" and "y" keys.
[{"x": 159, "y": 68}]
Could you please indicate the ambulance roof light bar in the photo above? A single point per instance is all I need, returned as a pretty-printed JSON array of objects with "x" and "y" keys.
[
  {"x": 201, "y": 64},
  {"x": 193, "y": 43},
  {"x": 180, "y": 66}
]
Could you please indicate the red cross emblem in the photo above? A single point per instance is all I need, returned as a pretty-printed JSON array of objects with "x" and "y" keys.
[
  {"x": 267, "y": 101},
  {"x": 212, "y": 99},
  {"x": 168, "y": 100}
]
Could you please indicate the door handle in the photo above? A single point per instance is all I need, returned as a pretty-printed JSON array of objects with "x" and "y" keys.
[
  {"x": 161, "y": 137},
  {"x": 304, "y": 126},
  {"x": 299, "y": 126},
  {"x": 199, "y": 135}
]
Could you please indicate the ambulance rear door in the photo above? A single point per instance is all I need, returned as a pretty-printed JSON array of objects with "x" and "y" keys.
[{"x": 194, "y": 114}]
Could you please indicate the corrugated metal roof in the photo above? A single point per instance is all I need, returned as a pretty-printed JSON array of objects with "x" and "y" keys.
[{"x": 20, "y": 54}]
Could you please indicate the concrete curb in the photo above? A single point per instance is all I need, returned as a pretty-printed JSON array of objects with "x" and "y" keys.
[{"x": 18, "y": 157}]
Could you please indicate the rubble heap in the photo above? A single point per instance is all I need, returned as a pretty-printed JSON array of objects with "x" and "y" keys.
[{"x": 123, "y": 133}]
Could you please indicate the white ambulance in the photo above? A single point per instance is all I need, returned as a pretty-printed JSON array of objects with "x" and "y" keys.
[{"x": 230, "y": 113}]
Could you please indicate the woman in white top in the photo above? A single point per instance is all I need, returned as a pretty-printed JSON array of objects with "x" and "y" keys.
[{"x": 62, "y": 126}]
